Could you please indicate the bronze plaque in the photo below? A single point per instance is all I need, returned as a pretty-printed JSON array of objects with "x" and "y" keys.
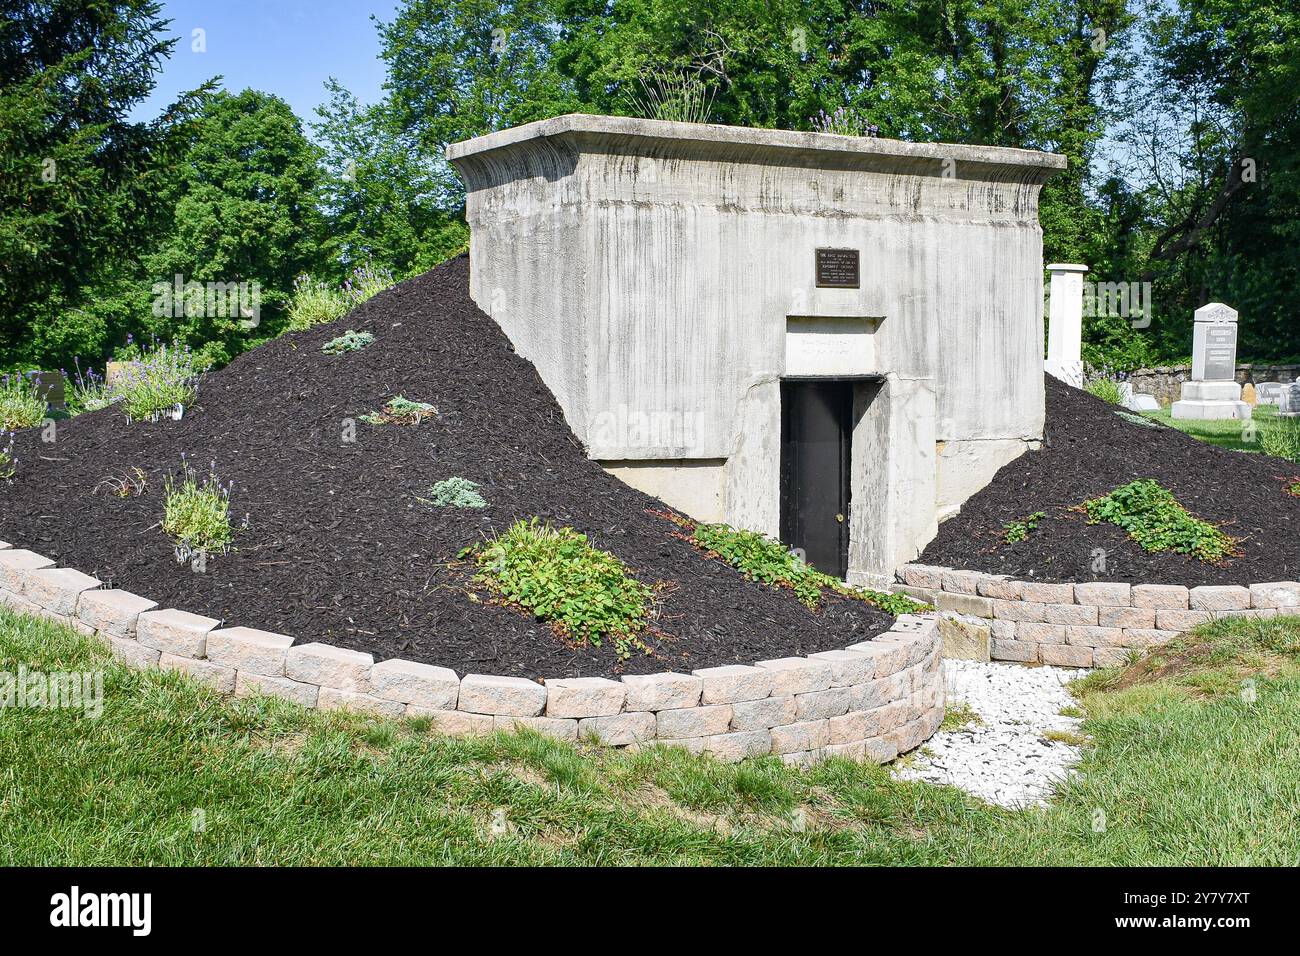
[{"x": 838, "y": 269}]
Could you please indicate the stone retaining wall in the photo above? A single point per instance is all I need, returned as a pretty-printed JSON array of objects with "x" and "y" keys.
[
  {"x": 1097, "y": 624},
  {"x": 1166, "y": 382},
  {"x": 870, "y": 701}
]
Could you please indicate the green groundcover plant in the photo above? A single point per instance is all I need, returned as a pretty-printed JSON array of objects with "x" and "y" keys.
[
  {"x": 456, "y": 492},
  {"x": 314, "y": 302},
  {"x": 196, "y": 512},
  {"x": 400, "y": 411},
  {"x": 1155, "y": 519},
  {"x": 349, "y": 341},
  {"x": 585, "y": 593},
  {"x": 21, "y": 402},
  {"x": 768, "y": 561},
  {"x": 1014, "y": 531}
]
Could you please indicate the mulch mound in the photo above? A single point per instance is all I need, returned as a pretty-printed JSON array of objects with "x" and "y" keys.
[
  {"x": 338, "y": 548},
  {"x": 1089, "y": 450}
]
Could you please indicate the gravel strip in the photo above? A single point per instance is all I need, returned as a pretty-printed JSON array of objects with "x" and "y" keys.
[{"x": 1004, "y": 759}]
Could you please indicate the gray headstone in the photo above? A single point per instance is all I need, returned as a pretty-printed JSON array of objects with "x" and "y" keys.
[
  {"x": 1268, "y": 393},
  {"x": 1290, "y": 400}
]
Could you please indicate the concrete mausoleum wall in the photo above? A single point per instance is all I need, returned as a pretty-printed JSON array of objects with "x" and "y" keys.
[{"x": 661, "y": 278}]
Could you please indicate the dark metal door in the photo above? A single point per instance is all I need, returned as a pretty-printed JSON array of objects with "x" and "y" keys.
[{"x": 816, "y": 446}]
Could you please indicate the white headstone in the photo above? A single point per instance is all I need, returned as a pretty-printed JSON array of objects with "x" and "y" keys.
[
  {"x": 1144, "y": 403},
  {"x": 1213, "y": 392},
  {"x": 1268, "y": 393},
  {"x": 1065, "y": 323}
]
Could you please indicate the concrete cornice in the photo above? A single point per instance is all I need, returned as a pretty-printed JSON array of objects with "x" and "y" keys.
[{"x": 708, "y": 140}]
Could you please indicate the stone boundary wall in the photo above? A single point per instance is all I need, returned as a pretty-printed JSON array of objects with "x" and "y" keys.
[
  {"x": 1096, "y": 624},
  {"x": 870, "y": 701},
  {"x": 1166, "y": 381}
]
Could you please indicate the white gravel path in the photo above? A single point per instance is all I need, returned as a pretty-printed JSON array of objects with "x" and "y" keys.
[{"x": 1004, "y": 759}]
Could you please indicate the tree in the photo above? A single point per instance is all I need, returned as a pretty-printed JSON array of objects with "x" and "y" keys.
[
  {"x": 385, "y": 199},
  {"x": 243, "y": 201},
  {"x": 78, "y": 183}
]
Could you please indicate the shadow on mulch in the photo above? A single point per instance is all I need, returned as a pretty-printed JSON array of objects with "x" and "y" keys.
[
  {"x": 338, "y": 548},
  {"x": 1090, "y": 450}
]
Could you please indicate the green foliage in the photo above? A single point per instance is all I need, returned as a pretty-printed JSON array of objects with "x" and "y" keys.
[
  {"x": 314, "y": 302},
  {"x": 1281, "y": 437},
  {"x": 349, "y": 341},
  {"x": 21, "y": 404},
  {"x": 196, "y": 512},
  {"x": 456, "y": 492},
  {"x": 1153, "y": 518},
  {"x": 1020, "y": 530},
  {"x": 163, "y": 379},
  {"x": 87, "y": 391},
  {"x": 1107, "y": 389},
  {"x": 555, "y": 573},
  {"x": 400, "y": 411},
  {"x": 768, "y": 561}
]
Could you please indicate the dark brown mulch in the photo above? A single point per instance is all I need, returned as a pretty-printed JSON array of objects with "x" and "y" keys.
[
  {"x": 338, "y": 549},
  {"x": 1089, "y": 451}
]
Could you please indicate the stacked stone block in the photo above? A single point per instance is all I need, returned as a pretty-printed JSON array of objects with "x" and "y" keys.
[
  {"x": 1092, "y": 624},
  {"x": 871, "y": 701}
]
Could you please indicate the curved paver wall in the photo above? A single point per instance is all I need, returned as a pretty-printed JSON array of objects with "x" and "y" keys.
[
  {"x": 1096, "y": 624},
  {"x": 870, "y": 701}
]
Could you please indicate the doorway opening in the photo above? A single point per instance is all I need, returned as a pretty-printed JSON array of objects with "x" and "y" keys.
[{"x": 816, "y": 454}]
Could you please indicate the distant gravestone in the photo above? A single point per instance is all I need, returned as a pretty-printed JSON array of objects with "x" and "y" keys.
[
  {"x": 1145, "y": 403},
  {"x": 1289, "y": 405},
  {"x": 1248, "y": 394},
  {"x": 1268, "y": 393},
  {"x": 1213, "y": 392}
]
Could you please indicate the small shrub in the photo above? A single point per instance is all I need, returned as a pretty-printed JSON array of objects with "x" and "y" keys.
[
  {"x": 349, "y": 341},
  {"x": 1020, "y": 530},
  {"x": 768, "y": 561},
  {"x": 456, "y": 492},
  {"x": 1153, "y": 518},
  {"x": 196, "y": 512},
  {"x": 1280, "y": 437},
  {"x": 314, "y": 302},
  {"x": 21, "y": 402},
  {"x": 130, "y": 484},
  {"x": 555, "y": 573},
  {"x": 162, "y": 380},
  {"x": 1107, "y": 389},
  {"x": 8, "y": 463},
  {"x": 400, "y": 411},
  {"x": 365, "y": 283}
]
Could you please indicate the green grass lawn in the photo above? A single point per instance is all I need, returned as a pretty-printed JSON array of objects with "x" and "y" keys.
[
  {"x": 1228, "y": 434},
  {"x": 1184, "y": 769}
]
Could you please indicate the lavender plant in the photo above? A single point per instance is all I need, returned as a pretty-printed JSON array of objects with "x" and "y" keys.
[
  {"x": 844, "y": 122},
  {"x": 21, "y": 403},
  {"x": 196, "y": 511},
  {"x": 366, "y": 283},
  {"x": 163, "y": 380},
  {"x": 314, "y": 302},
  {"x": 8, "y": 463},
  {"x": 87, "y": 390}
]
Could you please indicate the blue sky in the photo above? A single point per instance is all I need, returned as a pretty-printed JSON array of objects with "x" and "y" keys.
[{"x": 285, "y": 47}]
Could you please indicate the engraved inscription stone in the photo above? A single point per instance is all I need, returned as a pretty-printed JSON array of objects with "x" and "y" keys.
[
  {"x": 1220, "y": 353},
  {"x": 838, "y": 269}
]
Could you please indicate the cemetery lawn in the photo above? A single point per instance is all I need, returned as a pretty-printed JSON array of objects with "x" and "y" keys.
[
  {"x": 1225, "y": 434},
  {"x": 1185, "y": 770}
]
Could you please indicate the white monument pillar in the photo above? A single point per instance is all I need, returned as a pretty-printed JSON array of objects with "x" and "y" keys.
[
  {"x": 1213, "y": 392},
  {"x": 1065, "y": 324}
]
